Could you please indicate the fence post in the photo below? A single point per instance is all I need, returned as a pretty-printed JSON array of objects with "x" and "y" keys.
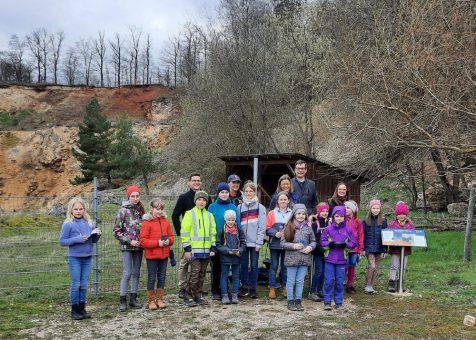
[
  {"x": 95, "y": 245},
  {"x": 469, "y": 225}
]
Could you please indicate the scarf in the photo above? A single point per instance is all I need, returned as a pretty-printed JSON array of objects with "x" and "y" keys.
[
  {"x": 231, "y": 230},
  {"x": 250, "y": 201},
  {"x": 220, "y": 201}
]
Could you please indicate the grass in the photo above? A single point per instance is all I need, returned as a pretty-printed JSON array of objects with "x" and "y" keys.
[{"x": 10, "y": 119}]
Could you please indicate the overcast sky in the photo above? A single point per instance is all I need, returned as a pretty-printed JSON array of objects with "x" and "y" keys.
[{"x": 84, "y": 18}]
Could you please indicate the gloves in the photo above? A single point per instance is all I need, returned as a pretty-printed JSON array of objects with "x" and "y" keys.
[
  {"x": 172, "y": 258},
  {"x": 332, "y": 244},
  {"x": 341, "y": 245}
]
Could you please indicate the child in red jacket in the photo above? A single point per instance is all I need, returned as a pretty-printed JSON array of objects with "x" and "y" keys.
[
  {"x": 355, "y": 224},
  {"x": 156, "y": 237}
]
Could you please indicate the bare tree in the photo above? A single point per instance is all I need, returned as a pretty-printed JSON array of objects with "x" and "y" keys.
[
  {"x": 147, "y": 61},
  {"x": 56, "y": 41},
  {"x": 34, "y": 42},
  {"x": 100, "y": 47},
  {"x": 17, "y": 58},
  {"x": 71, "y": 66},
  {"x": 135, "y": 35},
  {"x": 85, "y": 50},
  {"x": 116, "y": 46},
  {"x": 171, "y": 57}
]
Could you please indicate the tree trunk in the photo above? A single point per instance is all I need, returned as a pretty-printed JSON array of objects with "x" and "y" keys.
[
  {"x": 412, "y": 187},
  {"x": 441, "y": 171}
]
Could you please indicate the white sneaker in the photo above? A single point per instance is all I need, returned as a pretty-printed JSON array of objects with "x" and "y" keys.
[{"x": 369, "y": 290}]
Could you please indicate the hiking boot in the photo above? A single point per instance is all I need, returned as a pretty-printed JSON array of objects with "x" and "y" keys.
[
  {"x": 314, "y": 297},
  {"x": 272, "y": 293},
  {"x": 339, "y": 308},
  {"x": 160, "y": 299},
  {"x": 82, "y": 310},
  {"x": 284, "y": 292},
  {"x": 151, "y": 297},
  {"x": 369, "y": 290},
  {"x": 133, "y": 301},
  {"x": 234, "y": 299},
  {"x": 327, "y": 306},
  {"x": 216, "y": 296},
  {"x": 291, "y": 305},
  {"x": 122, "y": 304},
  {"x": 392, "y": 286},
  {"x": 200, "y": 301},
  {"x": 189, "y": 302},
  {"x": 181, "y": 293},
  {"x": 253, "y": 294},
  {"x": 225, "y": 300},
  {"x": 298, "y": 305},
  {"x": 244, "y": 291},
  {"x": 76, "y": 313}
]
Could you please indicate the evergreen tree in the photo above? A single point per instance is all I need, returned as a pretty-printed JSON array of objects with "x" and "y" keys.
[{"x": 95, "y": 137}]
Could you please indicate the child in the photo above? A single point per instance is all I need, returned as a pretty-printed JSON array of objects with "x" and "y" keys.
[
  {"x": 401, "y": 222},
  {"x": 78, "y": 233},
  {"x": 355, "y": 224},
  {"x": 156, "y": 237},
  {"x": 337, "y": 238},
  {"x": 253, "y": 224},
  {"x": 275, "y": 222},
  {"x": 298, "y": 241},
  {"x": 231, "y": 244},
  {"x": 198, "y": 235},
  {"x": 126, "y": 230},
  {"x": 315, "y": 293},
  {"x": 373, "y": 225}
]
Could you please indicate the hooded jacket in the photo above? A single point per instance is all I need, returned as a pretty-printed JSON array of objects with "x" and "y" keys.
[
  {"x": 153, "y": 230},
  {"x": 218, "y": 209},
  {"x": 226, "y": 242},
  {"x": 338, "y": 233},
  {"x": 294, "y": 257},
  {"x": 127, "y": 226}
]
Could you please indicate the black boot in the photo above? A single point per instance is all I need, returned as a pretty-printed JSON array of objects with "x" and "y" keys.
[
  {"x": 76, "y": 313},
  {"x": 133, "y": 302},
  {"x": 291, "y": 305},
  {"x": 298, "y": 305},
  {"x": 123, "y": 303},
  {"x": 82, "y": 310},
  {"x": 391, "y": 286}
]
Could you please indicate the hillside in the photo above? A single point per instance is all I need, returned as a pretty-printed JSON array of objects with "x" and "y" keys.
[{"x": 40, "y": 126}]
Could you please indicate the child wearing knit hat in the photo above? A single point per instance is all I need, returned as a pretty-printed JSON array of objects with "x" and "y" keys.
[
  {"x": 373, "y": 225},
  {"x": 401, "y": 221},
  {"x": 355, "y": 224}
]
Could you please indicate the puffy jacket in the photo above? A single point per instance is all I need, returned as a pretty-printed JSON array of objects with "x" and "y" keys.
[
  {"x": 153, "y": 230},
  {"x": 198, "y": 233},
  {"x": 373, "y": 236},
  {"x": 293, "y": 257},
  {"x": 227, "y": 242},
  {"x": 338, "y": 233},
  {"x": 127, "y": 226},
  {"x": 275, "y": 221},
  {"x": 218, "y": 209},
  {"x": 395, "y": 225},
  {"x": 253, "y": 222},
  {"x": 355, "y": 224}
]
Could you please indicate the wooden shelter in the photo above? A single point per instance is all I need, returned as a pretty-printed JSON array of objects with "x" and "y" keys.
[{"x": 273, "y": 166}]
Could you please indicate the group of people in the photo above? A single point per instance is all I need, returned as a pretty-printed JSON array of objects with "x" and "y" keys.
[{"x": 329, "y": 237}]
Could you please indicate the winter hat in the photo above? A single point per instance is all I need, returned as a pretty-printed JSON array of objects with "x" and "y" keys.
[
  {"x": 374, "y": 202},
  {"x": 230, "y": 215},
  {"x": 200, "y": 194},
  {"x": 132, "y": 188},
  {"x": 233, "y": 178},
  {"x": 223, "y": 186},
  {"x": 321, "y": 207},
  {"x": 352, "y": 205},
  {"x": 401, "y": 208},
  {"x": 298, "y": 207},
  {"x": 338, "y": 210}
]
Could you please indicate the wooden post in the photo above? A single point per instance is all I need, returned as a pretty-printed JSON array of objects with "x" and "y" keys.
[
  {"x": 423, "y": 187},
  {"x": 469, "y": 225}
]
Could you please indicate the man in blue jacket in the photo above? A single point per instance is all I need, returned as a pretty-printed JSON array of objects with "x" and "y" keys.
[{"x": 305, "y": 189}]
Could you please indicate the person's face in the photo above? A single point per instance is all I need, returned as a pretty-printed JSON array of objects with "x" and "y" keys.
[
  {"x": 195, "y": 183},
  {"x": 201, "y": 203},
  {"x": 375, "y": 210},
  {"x": 339, "y": 219},
  {"x": 300, "y": 216},
  {"x": 77, "y": 210},
  {"x": 249, "y": 193},
  {"x": 283, "y": 201},
  {"x": 300, "y": 170},
  {"x": 324, "y": 213},
  {"x": 285, "y": 185},
  {"x": 234, "y": 185},
  {"x": 134, "y": 198},
  {"x": 157, "y": 211},
  {"x": 401, "y": 218},
  {"x": 349, "y": 212},
  {"x": 230, "y": 223},
  {"x": 224, "y": 195},
  {"x": 341, "y": 190}
]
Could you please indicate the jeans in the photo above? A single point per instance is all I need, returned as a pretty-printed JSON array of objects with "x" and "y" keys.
[
  {"x": 334, "y": 275},
  {"x": 156, "y": 271},
  {"x": 79, "y": 272},
  {"x": 249, "y": 275},
  {"x": 295, "y": 282},
  {"x": 131, "y": 262},
  {"x": 277, "y": 256},
  {"x": 216, "y": 273},
  {"x": 235, "y": 278},
  {"x": 318, "y": 276}
]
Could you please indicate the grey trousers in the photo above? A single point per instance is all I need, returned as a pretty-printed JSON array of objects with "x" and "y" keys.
[
  {"x": 131, "y": 263},
  {"x": 395, "y": 266}
]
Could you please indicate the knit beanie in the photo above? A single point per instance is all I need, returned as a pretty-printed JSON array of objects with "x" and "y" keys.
[
  {"x": 374, "y": 202},
  {"x": 230, "y": 215},
  {"x": 298, "y": 207},
  {"x": 401, "y": 208},
  {"x": 352, "y": 205},
  {"x": 338, "y": 210},
  {"x": 321, "y": 207},
  {"x": 132, "y": 188},
  {"x": 200, "y": 194},
  {"x": 223, "y": 186}
]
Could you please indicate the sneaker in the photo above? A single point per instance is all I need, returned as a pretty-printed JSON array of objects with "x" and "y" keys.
[
  {"x": 327, "y": 306},
  {"x": 298, "y": 305},
  {"x": 314, "y": 297},
  {"x": 244, "y": 291},
  {"x": 234, "y": 299},
  {"x": 291, "y": 306},
  {"x": 253, "y": 294},
  {"x": 190, "y": 302},
  {"x": 225, "y": 299},
  {"x": 339, "y": 308},
  {"x": 319, "y": 293},
  {"x": 216, "y": 297},
  {"x": 369, "y": 290},
  {"x": 200, "y": 301},
  {"x": 181, "y": 293}
]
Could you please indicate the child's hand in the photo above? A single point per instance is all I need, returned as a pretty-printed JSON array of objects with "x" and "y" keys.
[
  {"x": 85, "y": 238},
  {"x": 278, "y": 234},
  {"x": 135, "y": 243},
  {"x": 161, "y": 243},
  {"x": 188, "y": 256},
  {"x": 298, "y": 246},
  {"x": 212, "y": 253},
  {"x": 307, "y": 250}
]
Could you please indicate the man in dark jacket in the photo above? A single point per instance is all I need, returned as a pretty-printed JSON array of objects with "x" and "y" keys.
[
  {"x": 234, "y": 182},
  {"x": 184, "y": 203},
  {"x": 305, "y": 189}
]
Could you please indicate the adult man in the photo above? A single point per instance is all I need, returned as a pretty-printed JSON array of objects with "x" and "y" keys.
[
  {"x": 185, "y": 202},
  {"x": 305, "y": 189},
  {"x": 234, "y": 182}
]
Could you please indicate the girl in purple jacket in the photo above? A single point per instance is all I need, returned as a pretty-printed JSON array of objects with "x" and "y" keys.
[{"x": 337, "y": 239}]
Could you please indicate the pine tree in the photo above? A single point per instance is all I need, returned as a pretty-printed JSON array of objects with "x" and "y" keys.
[{"x": 95, "y": 137}]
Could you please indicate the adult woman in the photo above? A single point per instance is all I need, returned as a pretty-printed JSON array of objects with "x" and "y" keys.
[
  {"x": 340, "y": 196},
  {"x": 284, "y": 185}
]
